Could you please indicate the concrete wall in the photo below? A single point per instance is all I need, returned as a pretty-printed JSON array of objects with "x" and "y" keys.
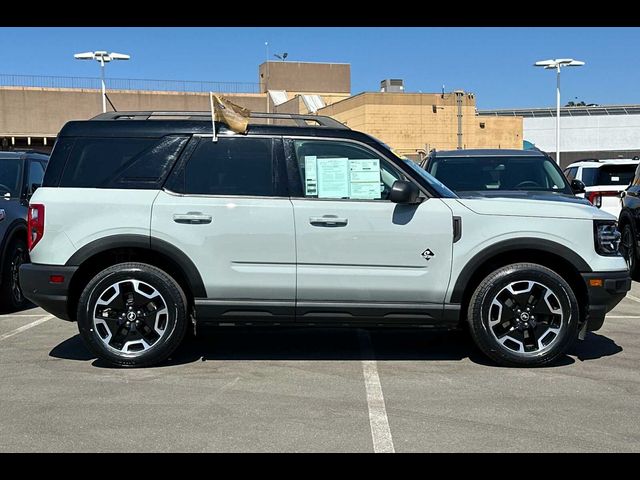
[
  {"x": 408, "y": 122},
  {"x": 42, "y": 112},
  {"x": 585, "y": 133},
  {"x": 305, "y": 77}
]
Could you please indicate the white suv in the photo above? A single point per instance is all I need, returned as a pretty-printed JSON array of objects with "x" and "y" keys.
[
  {"x": 145, "y": 225},
  {"x": 603, "y": 180}
]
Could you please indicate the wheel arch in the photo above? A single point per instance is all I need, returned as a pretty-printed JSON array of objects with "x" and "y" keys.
[
  {"x": 554, "y": 256},
  {"x": 102, "y": 253},
  {"x": 625, "y": 217}
]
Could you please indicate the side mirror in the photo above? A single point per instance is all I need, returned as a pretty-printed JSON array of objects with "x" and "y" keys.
[
  {"x": 404, "y": 192},
  {"x": 577, "y": 186}
]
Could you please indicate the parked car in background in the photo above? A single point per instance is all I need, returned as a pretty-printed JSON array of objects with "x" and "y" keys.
[
  {"x": 603, "y": 180},
  {"x": 527, "y": 174},
  {"x": 629, "y": 224},
  {"x": 21, "y": 172}
]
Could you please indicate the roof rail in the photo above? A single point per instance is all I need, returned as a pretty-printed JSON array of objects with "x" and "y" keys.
[{"x": 299, "y": 119}]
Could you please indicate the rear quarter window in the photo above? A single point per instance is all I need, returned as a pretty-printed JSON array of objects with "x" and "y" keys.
[{"x": 129, "y": 163}]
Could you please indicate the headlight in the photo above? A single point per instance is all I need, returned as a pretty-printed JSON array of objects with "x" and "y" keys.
[{"x": 606, "y": 236}]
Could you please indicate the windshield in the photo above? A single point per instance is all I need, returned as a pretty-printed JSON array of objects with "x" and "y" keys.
[
  {"x": 437, "y": 185},
  {"x": 10, "y": 176},
  {"x": 608, "y": 175},
  {"x": 472, "y": 174}
]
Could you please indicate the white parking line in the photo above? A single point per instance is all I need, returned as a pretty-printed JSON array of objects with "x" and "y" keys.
[
  {"x": 631, "y": 297},
  {"x": 380, "y": 431},
  {"x": 18, "y": 330},
  {"x": 623, "y": 316}
]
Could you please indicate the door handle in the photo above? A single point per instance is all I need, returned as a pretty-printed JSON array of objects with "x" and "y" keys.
[
  {"x": 328, "y": 221},
  {"x": 192, "y": 218}
]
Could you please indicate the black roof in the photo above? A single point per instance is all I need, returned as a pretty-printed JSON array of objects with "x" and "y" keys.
[
  {"x": 140, "y": 124},
  {"x": 488, "y": 152},
  {"x": 22, "y": 154}
]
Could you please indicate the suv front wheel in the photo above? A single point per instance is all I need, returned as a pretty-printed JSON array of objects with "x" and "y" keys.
[
  {"x": 523, "y": 315},
  {"x": 132, "y": 315},
  {"x": 11, "y": 297},
  {"x": 628, "y": 249}
]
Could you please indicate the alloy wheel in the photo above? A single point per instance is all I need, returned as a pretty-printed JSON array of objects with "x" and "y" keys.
[
  {"x": 526, "y": 317},
  {"x": 16, "y": 291},
  {"x": 130, "y": 317},
  {"x": 627, "y": 247}
]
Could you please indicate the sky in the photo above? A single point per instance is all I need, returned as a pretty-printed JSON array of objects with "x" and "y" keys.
[{"x": 495, "y": 63}]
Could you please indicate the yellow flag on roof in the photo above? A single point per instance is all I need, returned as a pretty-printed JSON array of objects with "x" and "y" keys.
[{"x": 232, "y": 115}]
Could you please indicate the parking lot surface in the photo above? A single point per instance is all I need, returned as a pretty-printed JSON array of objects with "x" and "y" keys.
[{"x": 329, "y": 390}]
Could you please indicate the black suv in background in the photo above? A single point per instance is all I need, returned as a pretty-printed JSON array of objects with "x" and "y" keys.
[
  {"x": 21, "y": 172},
  {"x": 629, "y": 224},
  {"x": 529, "y": 174}
]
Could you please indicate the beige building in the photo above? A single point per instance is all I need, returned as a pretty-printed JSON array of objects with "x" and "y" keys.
[
  {"x": 411, "y": 123},
  {"x": 414, "y": 122}
]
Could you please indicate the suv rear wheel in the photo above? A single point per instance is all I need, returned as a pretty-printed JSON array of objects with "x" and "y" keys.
[
  {"x": 523, "y": 315},
  {"x": 132, "y": 314}
]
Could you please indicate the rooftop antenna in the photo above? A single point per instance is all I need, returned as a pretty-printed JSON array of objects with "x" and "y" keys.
[
  {"x": 282, "y": 57},
  {"x": 442, "y": 91}
]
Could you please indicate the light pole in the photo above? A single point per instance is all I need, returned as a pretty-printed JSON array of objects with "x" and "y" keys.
[
  {"x": 102, "y": 57},
  {"x": 266, "y": 81},
  {"x": 557, "y": 64}
]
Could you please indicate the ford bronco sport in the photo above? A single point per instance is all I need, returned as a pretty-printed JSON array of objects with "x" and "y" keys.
[{"x": 144, "y": 225}]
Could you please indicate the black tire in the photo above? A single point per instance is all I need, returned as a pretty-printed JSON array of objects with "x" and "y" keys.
[
  {"x": 508, "y": 316},
  {"x": 629, "y": 250},
  {"x": 11, "y": 297},
  {"x": 101, "y": 287}
]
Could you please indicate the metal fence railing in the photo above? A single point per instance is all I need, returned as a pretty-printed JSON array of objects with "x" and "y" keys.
[{"x": 9, "y": 80}]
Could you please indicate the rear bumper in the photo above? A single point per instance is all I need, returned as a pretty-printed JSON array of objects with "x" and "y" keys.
[
  {"x": 602, "y": 299},
  {"x": 37, "y": 287}
]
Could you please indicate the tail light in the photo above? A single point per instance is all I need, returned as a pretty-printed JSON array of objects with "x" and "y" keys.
[
  {"x": 596, "y": 197},
  {"x": 35, "y": 224}
]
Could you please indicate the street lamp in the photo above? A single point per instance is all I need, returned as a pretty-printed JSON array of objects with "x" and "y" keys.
[
  {"x": 102, "y": 57},
  {"x": 557, "y": 64}
]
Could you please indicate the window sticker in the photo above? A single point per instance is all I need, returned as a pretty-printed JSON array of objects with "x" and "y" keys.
[
  {"x": 615, "y": 179},
  {"x": 342, "y": 178},
  {"x": 333, "y": 177},
  {"x": 310, "y": 176},
  {"x": 364, "y": 179}
]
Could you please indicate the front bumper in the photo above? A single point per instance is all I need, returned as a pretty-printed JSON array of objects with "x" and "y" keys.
[
  {"x": 37, "y": 287},
  {"x": 602, "y": 299}
]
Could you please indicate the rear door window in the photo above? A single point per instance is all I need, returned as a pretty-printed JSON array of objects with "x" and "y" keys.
[
  {"x": 129, "y": 163},
  {"x": 230, "y": 167},
  {"x": 36, "y": 174},
  {"x": 608, "y": 175}
]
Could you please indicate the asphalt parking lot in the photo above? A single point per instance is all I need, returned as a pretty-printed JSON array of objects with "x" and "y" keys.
[{"x": 329, "y": 390}]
